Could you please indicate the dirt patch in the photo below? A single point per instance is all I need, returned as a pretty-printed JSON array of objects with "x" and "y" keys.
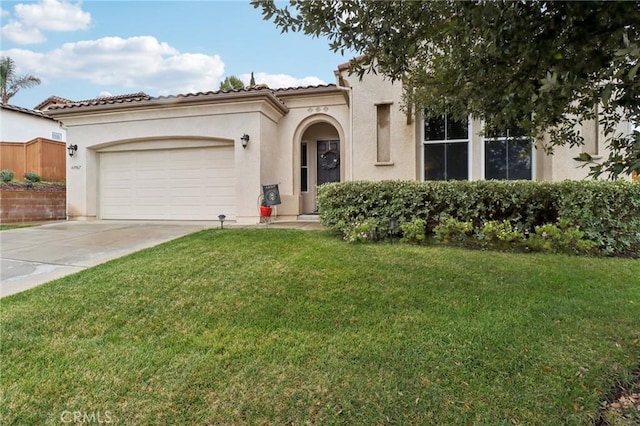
[{"x": 623, "y": 409}]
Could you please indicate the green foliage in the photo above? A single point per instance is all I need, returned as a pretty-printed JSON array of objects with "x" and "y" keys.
[
  {"x": 451, "y": 230},
  {"x": 362, "y": 232},
  {"x": 32, "y": 177},
  {"x": 414, "y": 232},
  {"x": 561, "y": 238},
  {"x": 606, "y": 212},
  {"x": 547, "y": 238},
  {"x": 231, "y": 83},
  {"x": 501, "y": 231},
  {"x": 10, "y": 83},
  {"x": 540, "y": 65},
  {"x": 7, "y": 175}
]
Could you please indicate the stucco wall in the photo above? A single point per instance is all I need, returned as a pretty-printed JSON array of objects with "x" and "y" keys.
[
  {"x": 367, "y": 94},
  {"x": 406, "y": 144},
  {"x": 22, "y": 127},
  {"x": 160, "y": 128},
  {"x": 310, "y": 118}
]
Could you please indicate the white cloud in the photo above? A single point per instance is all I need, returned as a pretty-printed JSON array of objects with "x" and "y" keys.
[
  {"x": 121, "y": 65},
  {"x": 135, "y": 63},
  {"x": 18, "y": 33},
  {"x": 53, "y": 15},
  {"x": 277, "y": 81},
  {"x": 48, "y": 15}
]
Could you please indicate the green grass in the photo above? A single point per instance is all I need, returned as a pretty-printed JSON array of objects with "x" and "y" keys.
[
  {"x": 292, "y": 327},
  {"x": 5, "y": 227}
]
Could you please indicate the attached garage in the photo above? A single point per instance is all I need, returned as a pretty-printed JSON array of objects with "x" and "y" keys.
[
  {"x": 184, "y": 157},
  {"x": 167, "y": 184}
]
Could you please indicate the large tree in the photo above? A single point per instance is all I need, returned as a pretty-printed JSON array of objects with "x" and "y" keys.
[
  {"x": 231, "y": 83},
  {"x": 545, "y": 66},
  {"x": 10, "y": 83}
]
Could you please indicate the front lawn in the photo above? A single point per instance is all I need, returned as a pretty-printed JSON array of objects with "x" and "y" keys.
[{"x": 265, "y": 326}]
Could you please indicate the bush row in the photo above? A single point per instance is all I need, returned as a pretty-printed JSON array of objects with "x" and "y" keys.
[{"x": 608, "y": 213}]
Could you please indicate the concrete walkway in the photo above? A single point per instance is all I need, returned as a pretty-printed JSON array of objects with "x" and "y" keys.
[{"x": 36, "y": 255}]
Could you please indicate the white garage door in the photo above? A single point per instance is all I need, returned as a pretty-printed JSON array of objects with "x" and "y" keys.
[{"x": 168, "y": 184}]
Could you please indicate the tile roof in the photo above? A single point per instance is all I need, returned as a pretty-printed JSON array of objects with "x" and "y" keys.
[
  {"x": 103, "y": 100},
  {"x": 51, "y": 100},
  {"x": 27, "y": 111},
  {"x": 141, "y": 97}
]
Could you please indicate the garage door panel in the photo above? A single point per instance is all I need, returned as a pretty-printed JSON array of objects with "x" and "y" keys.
[{"x": 180, "y": 184}]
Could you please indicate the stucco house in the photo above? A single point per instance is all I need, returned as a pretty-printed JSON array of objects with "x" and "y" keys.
[
  {"x": 31, "y": 141},
  {"x": 23, "y": 125},
  {"x": 183, "y": 157}
]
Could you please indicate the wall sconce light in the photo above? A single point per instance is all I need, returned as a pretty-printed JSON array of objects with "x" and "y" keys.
[
  {"x": 72, "y": 149},
  {"x": 245, "y": 140}
]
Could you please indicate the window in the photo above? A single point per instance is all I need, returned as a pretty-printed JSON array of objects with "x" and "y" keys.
[
  {"x": 507, "y": 155},
  {"x": 383, "y": 118},
  {"x": 304, "y": 168},
  {"x": 446, "y": 149}
]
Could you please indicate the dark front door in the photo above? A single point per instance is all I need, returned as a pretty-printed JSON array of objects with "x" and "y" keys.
[{"x": 328, "y": 162}]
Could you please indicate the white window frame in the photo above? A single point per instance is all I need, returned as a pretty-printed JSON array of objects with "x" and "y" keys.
[
  {"x": 483, "y": 171},
  {"x": 469, "y": 148}
]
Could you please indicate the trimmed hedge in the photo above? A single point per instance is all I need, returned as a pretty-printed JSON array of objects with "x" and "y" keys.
[{"x": 607, "y": 212}]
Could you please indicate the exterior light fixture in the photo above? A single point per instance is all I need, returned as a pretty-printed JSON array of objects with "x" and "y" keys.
[
  {"x": 245, "y": 140},
  {"x": 393, "y": 227},
  {"x": 72, "y": 149},
  {"x": 221, "y": 218}
]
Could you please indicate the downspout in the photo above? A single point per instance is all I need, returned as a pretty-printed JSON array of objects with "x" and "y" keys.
[{"x": 349, "y": 91}]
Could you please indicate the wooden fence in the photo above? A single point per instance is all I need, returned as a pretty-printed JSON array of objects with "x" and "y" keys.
[{"x": 42, "y": 156}]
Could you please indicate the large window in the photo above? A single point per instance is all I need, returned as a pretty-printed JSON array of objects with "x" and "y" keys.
[
  {"x": 383, "y": 117},
  {"x": 304, "y": 168},
  {"x": 507, "y": 155},
  {"x": 446, "y": 149}
]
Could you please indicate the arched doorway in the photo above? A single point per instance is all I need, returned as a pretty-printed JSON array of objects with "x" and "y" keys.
[{"x": 321, "y": 151}]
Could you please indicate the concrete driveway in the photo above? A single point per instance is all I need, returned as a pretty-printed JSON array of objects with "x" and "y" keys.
[{"x": 36, "y": 255}]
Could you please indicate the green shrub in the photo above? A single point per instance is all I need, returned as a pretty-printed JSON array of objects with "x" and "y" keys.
[
  {"x": 414, "y": 232},
  {"x": 6, "y": 175},
  {"x": 32, "y": 177},
  {"x": 503, "y": 232},
  {"x": 606, "y": 212},
  {"x": 561, "y": 238},
  {"x": 452, "y": 230},
  {"x": 362, "y": 232}
]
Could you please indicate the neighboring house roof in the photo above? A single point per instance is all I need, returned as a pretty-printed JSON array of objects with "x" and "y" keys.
[
  {"x": 39, "y": 114},
  {"x": 142, "y": 99},
  {"x": 55, "y": 102},
  {"x": 50, "y": 102}
]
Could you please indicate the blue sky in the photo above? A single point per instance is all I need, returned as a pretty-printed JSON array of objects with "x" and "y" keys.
[{"x": 81, "y": 50}]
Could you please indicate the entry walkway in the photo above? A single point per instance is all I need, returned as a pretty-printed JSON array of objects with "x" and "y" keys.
[{"x": 36, "y": 255}]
